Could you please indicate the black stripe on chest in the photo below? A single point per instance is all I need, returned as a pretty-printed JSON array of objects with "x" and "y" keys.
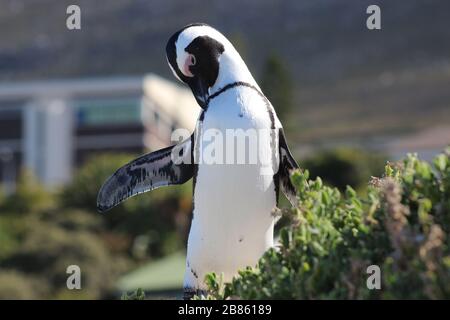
[
  {"x": 242, "y": 84},
  {"x": 272, "y": 125}
]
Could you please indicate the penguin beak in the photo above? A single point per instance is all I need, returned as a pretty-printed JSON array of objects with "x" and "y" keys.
[{"x": 200, "y": 90}]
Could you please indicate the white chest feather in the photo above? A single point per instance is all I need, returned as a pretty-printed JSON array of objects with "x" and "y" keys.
[{"x": 233, "y": 223}]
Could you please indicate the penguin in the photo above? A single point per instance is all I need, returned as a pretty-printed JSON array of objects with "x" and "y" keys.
[{"x": 233, "y": 201}]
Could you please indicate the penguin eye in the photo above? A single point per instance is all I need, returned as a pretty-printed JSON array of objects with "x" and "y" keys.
[{"x": 193, "y": 60}]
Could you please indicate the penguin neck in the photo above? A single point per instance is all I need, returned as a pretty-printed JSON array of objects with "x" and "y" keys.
[{"x": 232, "y": 69}]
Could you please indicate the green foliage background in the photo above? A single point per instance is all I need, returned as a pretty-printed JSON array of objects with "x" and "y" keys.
[{"x": 43, "y": 232}]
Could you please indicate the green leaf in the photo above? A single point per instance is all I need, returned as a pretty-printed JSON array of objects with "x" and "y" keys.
[
  {"x": 441, "y": 162},
  {"x": 388, "y": 171}
]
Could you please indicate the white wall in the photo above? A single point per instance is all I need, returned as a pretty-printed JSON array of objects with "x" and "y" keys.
[{"x": 48, "y": 140}]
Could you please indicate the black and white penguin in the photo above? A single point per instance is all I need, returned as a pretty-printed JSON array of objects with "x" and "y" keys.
[{"x": 234, "y": 194}]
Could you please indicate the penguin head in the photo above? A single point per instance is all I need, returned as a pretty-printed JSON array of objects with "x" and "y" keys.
[{"x": 204, "y": 59}]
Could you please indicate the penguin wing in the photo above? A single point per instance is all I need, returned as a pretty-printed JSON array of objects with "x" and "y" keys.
[
  {"x": 287, "y": 164},
  {"x": 148, "y": 172}
]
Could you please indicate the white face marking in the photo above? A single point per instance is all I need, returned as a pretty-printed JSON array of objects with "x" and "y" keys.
[
  {"x": 231, "y": 66},
  {"x": 188, "y": 35},
  {"x": 184, "y": 59},
  {"x": 173, "y": 71}
]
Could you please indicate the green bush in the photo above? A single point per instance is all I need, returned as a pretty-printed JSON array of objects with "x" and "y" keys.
[
  {"x": 28, "y": 199},
  {"x": 29, "y": 196},
  {"x": 15, "y": 285},
  {"x": 49, "y": 242},
  {"x": 401, "y": 224},
  {"x": 139, "y": 294}
]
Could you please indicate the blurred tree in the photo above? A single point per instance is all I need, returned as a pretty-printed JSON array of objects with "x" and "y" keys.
[
  {"x": 29, "y": 196},
  {"x": 277, "y": 85},
  {"x": 55, "y": 240},
  {"x": 344, "y": 166},
  {"x": 239, "y": 42},
  {"x": 42, "y": 233},
  {"x": 18, "y": 285},
  {"x": 82, "y": 191},
  {"x": 2, "y": 196}
]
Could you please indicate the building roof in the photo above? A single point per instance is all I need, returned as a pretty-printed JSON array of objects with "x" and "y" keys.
[
  {"x": 164, "y": 274},
  {"x": 70, "y": 87}
]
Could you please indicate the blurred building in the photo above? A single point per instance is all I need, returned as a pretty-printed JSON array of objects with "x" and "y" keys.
[{"x": 51, "y": 127}]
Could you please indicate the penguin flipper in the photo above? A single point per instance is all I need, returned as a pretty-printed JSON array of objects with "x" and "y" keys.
[
  {"x": 146, "y": 173},
  {"x": 287, "y": 164}
]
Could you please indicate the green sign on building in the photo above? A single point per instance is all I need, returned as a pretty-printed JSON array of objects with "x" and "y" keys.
[{"x": 108, "y": 111}]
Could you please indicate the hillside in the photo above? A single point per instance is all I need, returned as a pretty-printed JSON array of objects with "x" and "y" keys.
[{"x": 395, "y": 78}]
